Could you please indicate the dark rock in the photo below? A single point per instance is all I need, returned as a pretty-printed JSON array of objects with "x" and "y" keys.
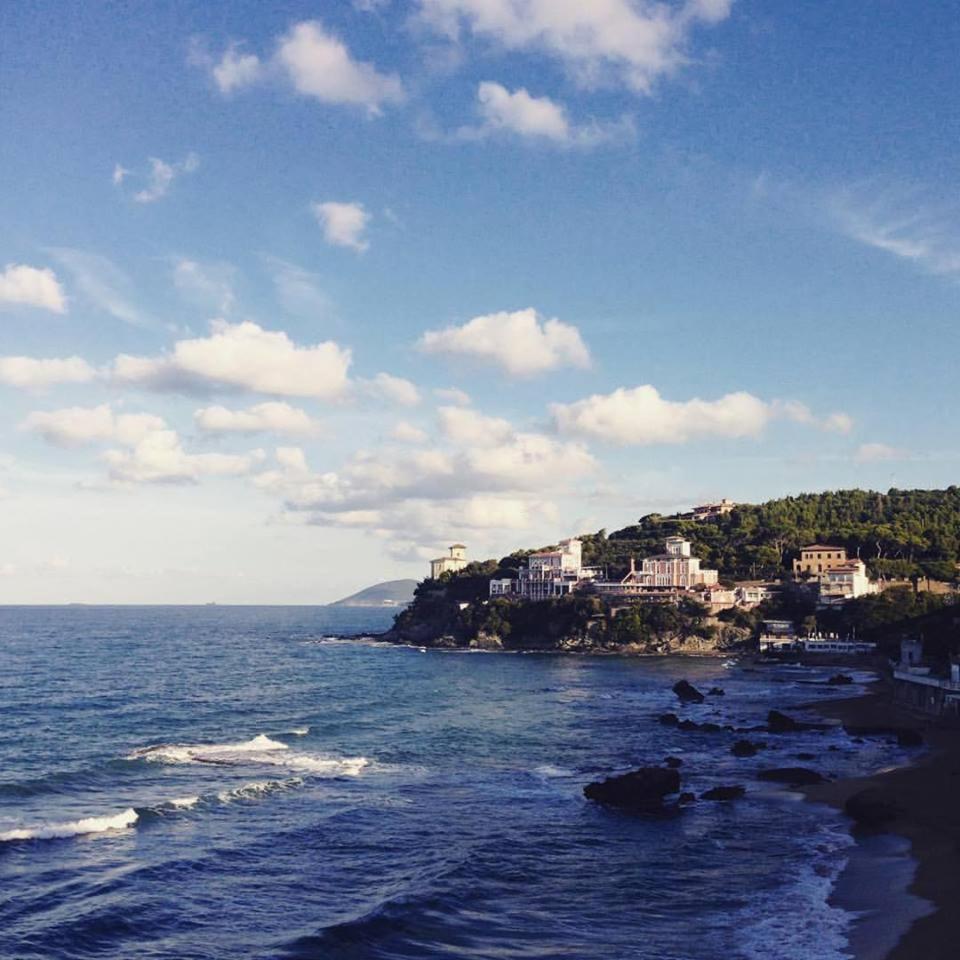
[
  {"x": 690, "y": 725},
  {"x": 673, "y": 762},
  {"x": 909, "y": 738},
  {"x": 840, "y": 680},
  {"x": 872, "y": 808},
  {"x": 642, "y": 789},
  {"x": 687, "y": 692},
  {"x": 744, "y": 748},
  {"x": 724, "y": 793},
  {"x": 778, "y": 722},
  {"x": 716, "y": 692},
  {"x": 795, "y": 776},
  {"x": 686, "y": 798},
  {"x": 669, "y": 719}
]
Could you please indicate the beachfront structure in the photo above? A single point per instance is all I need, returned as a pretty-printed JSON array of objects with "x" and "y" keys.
[
  {"x": 455, "y": 560},
  {"x": 677, "y": 567},
  {"x": 554, "y": 573},
  {"x": 818, "y": 558},
  {"x": 781, "y": 643},
  {"x": 707, "y": 511},
  {"x": 844, "y": 582},
  {"x": 916, "y": 688}
]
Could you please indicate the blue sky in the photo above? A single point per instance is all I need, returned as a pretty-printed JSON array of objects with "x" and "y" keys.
[{"x": 398, "y": 273}]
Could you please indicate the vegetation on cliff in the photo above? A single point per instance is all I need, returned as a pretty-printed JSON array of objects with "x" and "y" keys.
[{"x": 900, "y": 534}]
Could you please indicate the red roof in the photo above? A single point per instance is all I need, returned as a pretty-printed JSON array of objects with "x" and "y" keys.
[{"x": 821, "y": 546}]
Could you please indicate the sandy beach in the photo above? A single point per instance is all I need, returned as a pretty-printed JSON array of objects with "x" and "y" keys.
[{"x": 927, "y": 797}]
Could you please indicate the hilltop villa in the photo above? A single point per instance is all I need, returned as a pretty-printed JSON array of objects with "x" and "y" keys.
[
  {"x": 456, "y": 560},
  {"x": 554, "y": 573},
  {"x": 819, "y": 557}
]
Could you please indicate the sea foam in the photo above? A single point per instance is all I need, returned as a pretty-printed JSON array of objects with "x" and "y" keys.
[
  {"x": 260, "y": 751},
  {"x": 73, "y": 828}
]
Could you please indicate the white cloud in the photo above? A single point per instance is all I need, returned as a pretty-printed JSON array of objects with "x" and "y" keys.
[
  {"x": 641, "y": 416},
  {"x": 521, "y": 342},
  {"x": 468, "y": 427},
  {"x": 236, "y": 70},
  {"x": 452, "y": 395},
  {"x": 319, "y": 65},
  {"x": 30, "y": 372},
  {"x": 535, "y": 119},
  {"x": 76, "y": 426},
  {"x": 391, "y": 390},
  {"x": 159, "y": 457},
  {"x": 836, "y": 422},
  {"x": 406, "y": 432},
  {"x": 244, "y": 357},
  {"x": 273, "y": 417},
  {"x": 601, "y": 42},
  {"x": 876, "y": 453},
  {"x": 905, "y": 223},
  {"x": 160, "y": 177},
  {"x": 101, "y": 282},
  {"x": 32, "y": 287},
  {"x": 207, "y": 284},
  {"x": 343, "y": 224}
]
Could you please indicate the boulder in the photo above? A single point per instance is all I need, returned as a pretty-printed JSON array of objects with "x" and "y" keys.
[
  {"x": 778, "y": 722},
  {"x": 642, "y": 789},
  {"x": 687, "y": 692},
  {"x": 794, "y": 776},
  {"x": 716, "y": 692},
  {"x": 686, "y": 798},
  {"x": 673, "y": 762},
  {"x": 744, "y": 748},
  {"x": 669, "y": 719},
  {"x": 690, "y": 725},
  {"x": 872, "y": 808},
  {"x": 840, "y": 680},
  {"x": 733, "y": 792}
]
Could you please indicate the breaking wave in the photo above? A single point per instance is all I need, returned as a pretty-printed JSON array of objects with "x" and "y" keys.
[
  {"x": 73, "y": 828},
  {"x": 260, "y": 751}
]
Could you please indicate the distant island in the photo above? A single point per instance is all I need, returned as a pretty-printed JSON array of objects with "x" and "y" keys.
[
  {"x": 390, "y": 593},
  {"x": 844, "y": 564}
]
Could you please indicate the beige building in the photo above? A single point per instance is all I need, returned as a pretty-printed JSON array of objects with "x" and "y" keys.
[
  {"x": 707, "y": 511},
  {"x": 845, "y": 582},
  {"x": 819, "y": 557},
  {"x": 676, "y": 567},
  {"x": 456, "y": 560}
]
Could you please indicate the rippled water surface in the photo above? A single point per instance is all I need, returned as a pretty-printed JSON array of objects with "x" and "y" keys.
[{"x": 224, "y": 782}]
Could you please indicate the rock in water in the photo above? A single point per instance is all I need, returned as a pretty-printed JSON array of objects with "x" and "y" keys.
[
  {"x": 687, "y": 692},
  {"x": 794, "y": 776},
  {"x": 716, "y": 692},
  {"x": 839, "y": 680},
  {"x": 744, "y": 748},
  {"x": 909, "y": 738},
  {"x": 642, "y": 789},
  {"x": 724, "y": 793},
  {"x": 673, "y": 762},
  {"x": 778, "y": 722}
]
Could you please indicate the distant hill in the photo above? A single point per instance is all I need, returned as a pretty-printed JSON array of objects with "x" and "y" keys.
[{"x": 390, "y": 593}]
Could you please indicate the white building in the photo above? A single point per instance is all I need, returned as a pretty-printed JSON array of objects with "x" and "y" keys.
[
  {"x": 676, "y": 567},
  {"x": 554, "y": 573},
  {"x": 454, "y": 561},
  {"x": 844, "y": 582},
  {"x": 708, "y": 511}
]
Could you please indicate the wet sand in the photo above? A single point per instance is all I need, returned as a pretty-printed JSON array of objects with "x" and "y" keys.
[{"x": 928, "y": 795}]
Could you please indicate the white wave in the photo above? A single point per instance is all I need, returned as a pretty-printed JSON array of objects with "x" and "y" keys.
[
  {"x": 73, "y": 828},
  {"x": 260, "y": 751},
  {"x": 797, "y": 922},
  {"x": 256, "y": 789},
  {"x": 184, "y": 803},
  {"x": 550, "y": 771},
  {"x": 299, "y": 731}
]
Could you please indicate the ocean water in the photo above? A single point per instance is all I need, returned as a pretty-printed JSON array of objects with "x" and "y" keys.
[{"x": 226, "y": 782}]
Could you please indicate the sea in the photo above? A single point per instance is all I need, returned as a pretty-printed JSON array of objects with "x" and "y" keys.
[{"x": 203, "y": 783}]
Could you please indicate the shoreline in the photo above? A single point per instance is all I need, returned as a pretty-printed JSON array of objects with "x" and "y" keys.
[{"x": 927, "y": 793}]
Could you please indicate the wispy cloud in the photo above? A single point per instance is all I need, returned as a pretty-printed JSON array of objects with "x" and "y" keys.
[
  {"x": 159, "y": 177},
  {"x": 101, "y": 282},
  {"x": 911, "y": 224}
]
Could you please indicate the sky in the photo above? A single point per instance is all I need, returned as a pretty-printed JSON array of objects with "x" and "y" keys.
[{"x": 293, "y": 295}]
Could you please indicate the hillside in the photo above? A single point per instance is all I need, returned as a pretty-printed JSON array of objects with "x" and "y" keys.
[
  {"x": 390, "y": 593},
  {"x": 899, "y": 534}
]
